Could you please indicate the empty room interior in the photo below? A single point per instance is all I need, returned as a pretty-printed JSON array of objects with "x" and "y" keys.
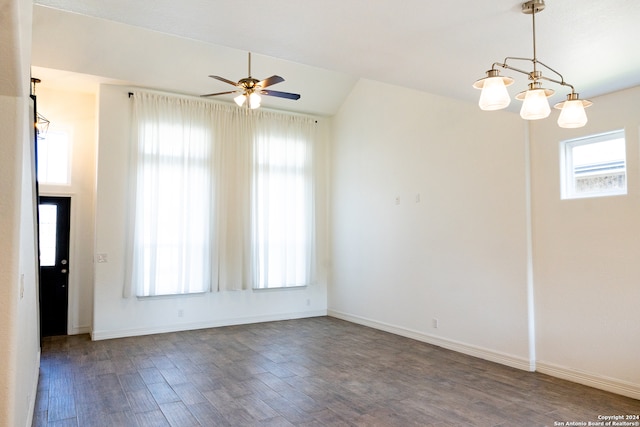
[{"x": 338, "y": 213}]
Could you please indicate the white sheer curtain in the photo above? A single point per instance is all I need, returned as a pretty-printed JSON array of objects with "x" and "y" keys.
[
  {"x": 173, "y": 158},
  {"x": 234, "y": 201},
  {"x": 283, "y": 201},
  {"x": 222, "y": 198}
]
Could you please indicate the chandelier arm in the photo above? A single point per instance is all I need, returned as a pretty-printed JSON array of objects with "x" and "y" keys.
[
  {"x": 506, "y": 66},
  {"x": 561, "y": 83},
  {"x": 509, "y": 67},
  {"x": 552, "y": 70},
  {"x": 534, "y": 61},
  {"x": 516, "y": 58}
]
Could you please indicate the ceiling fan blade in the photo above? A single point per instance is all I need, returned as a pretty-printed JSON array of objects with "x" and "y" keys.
[
  {"x": 219, "y": 93},
  {"x": 280, "y": 94},
  {"x": 222, "y": 79},
  {"x": 271, "y": 81}
]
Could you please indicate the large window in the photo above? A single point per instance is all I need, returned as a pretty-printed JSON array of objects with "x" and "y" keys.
[
  {"x": 594, "y": 166},
  {"x": 222, "y": 198},
  {"x": 173, "y": 215},
  {"x": 283, "y": 212},
  {"x": 173, "y": 202}
]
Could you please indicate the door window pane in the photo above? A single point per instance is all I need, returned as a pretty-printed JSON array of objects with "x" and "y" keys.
[{"x": 48, "y": 220}]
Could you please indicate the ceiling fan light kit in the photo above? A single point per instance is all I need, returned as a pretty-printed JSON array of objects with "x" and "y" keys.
[
  {"x": 250, "y": 89},
  {"x": 535, "y": 105},
  {"x": 252, "y": 100}
]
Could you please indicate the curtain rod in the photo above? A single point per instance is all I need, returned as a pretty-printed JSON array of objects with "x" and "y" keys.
[{"x": 297, "y": 114}]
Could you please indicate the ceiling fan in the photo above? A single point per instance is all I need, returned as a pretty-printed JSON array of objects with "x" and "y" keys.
[{"x": 250, "y": 89}]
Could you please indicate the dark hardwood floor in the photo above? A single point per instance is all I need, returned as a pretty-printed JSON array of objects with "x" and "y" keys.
[{"x": 310, "y": 372}]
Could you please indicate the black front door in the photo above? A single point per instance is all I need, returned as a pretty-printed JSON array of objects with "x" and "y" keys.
[{"x": 54, "y": 222}]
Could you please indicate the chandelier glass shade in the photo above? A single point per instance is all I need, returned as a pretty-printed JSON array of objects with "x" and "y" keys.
[
  {"x": 535, "y": 105},
  {"x": 494, "y": 95},
  {"x": 42, "y": 126},
  {"x": 572, "y": 113}
]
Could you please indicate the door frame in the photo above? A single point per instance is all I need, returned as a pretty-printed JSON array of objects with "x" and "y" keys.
[{"x": 72, "y": 272}]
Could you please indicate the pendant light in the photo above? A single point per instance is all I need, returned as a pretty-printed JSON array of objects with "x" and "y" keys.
[
  {"x": 572, "y": 114},
  {"x": 494, "y": 95},
  {"x": 41, "y": 122},
  {"x": 535, "y": 104}
]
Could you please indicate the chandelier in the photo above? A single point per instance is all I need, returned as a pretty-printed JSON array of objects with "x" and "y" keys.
[{"x": 535, "y": 105}]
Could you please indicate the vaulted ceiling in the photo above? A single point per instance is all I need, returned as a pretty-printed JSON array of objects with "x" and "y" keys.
[{"x": 436, "y": 47}]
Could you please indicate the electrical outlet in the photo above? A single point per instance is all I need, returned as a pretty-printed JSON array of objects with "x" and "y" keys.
[
  {"x": 435, "y": 323},
  {"x": 180, "y": 312},
  {"x": 308, "y": 301}
]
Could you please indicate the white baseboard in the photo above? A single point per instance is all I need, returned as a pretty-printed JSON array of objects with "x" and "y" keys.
[
  {"x": 471, "y": 350},
  {"x": 122, "y": 333},
  {"x": 613, "y": 385},
  {"x": 78, "y": 330}
]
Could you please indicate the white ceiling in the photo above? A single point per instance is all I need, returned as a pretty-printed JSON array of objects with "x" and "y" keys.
[{"x": 441, "y": 48}]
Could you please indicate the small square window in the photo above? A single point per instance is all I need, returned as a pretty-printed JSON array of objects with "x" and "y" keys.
[{"x": 594, "y": 166}]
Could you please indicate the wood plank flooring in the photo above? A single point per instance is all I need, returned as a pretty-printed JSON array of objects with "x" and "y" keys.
[{"x": 309, "y": 372}]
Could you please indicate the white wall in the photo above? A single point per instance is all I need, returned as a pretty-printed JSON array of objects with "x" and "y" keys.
[
  {"x": 586, "y": 253},
  {"x": 75, "y": 114},
  {"x": 19, "y": 332},
  {"x": 460, "y": 253},
  {"x": 117, "y": 316}
]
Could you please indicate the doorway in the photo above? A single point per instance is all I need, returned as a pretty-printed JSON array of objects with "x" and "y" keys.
[{"x": 54, "y": 222}]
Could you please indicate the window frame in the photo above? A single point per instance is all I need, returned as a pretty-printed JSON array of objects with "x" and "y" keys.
[
  {"x": 45, "y": 160},
  {"x": 567, "y": 167}
]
